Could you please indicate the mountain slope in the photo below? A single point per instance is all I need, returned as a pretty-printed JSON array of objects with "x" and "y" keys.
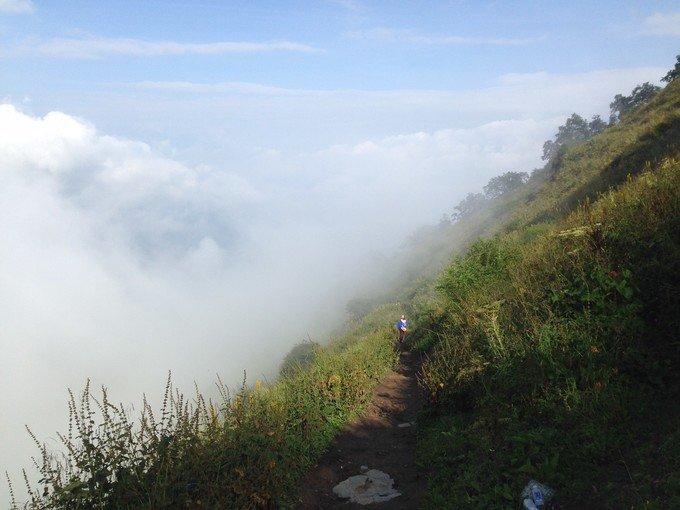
[{"x": 553, "y": 343}]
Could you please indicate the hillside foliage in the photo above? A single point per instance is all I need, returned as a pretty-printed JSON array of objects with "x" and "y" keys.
[{"x": 552, "y": 339}]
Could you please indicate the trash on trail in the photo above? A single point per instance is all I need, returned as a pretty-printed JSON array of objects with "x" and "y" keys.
[
  {"x": 535, "y": 495},
  {"x": 373, "y": 486}
]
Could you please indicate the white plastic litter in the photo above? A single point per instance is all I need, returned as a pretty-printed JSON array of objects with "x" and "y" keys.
[{"x": 374, "y": 486}]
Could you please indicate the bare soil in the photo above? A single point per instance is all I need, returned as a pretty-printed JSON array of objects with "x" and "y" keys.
[{"x": 375, "y": 440}]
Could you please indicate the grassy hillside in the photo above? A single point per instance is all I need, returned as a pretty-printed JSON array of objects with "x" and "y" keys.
[{"x": 553, "y": 343}]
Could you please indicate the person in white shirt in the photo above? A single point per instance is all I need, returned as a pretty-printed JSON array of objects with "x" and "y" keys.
[{"x": 401, "y": 326}]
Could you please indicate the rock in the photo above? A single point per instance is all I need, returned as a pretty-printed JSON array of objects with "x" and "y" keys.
[
  {"x": 372, "y": 487},
  {"x": 404, "y": 425},
  {"x": 363, "y": 468}
]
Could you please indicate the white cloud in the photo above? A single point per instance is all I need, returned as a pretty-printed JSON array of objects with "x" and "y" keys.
[
  {"x": 663, "y": 24},
  {"x": 97, "y": 47},
  {"x": 123, "y": 184},
  {"x": 356, "y": 186},
  {"x": 538, "y": 94},
  {"x": 413, "y": 37},
  {"x": 16, "y": 6},
  {"x": 235, "y": 87},
  {"x": 447, "y": 141}
]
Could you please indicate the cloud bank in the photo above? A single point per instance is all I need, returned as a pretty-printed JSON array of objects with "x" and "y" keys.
[{"x": 119, "y": 264}]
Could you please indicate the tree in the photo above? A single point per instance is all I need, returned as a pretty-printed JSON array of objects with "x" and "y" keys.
[
  {"x": 556, "y": 162},
  {"x": 674, "y": 73},
  {"x": 472, "y": 202},
  {"x": 444, "y": 221},
  {"x": 550, "y": 148},
  {"x": 621, "y": 105},
  {"x": 596, "y": 125},
  {"x": 504, "y": 183},
  {"x": 575, "y": 129}
]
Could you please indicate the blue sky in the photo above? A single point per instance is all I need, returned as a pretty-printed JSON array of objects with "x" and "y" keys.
[
  {"x": 363, "y": 45},
  {"x": 229, "y": 174}
]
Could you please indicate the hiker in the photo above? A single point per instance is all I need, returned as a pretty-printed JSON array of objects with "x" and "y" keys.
[{"x": 401, "y": 328}]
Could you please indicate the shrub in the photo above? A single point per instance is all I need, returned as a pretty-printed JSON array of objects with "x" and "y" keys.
[{"x": 299, "y": 357}]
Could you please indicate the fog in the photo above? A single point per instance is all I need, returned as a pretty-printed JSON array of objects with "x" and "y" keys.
[{"x": 122, "y": 259}]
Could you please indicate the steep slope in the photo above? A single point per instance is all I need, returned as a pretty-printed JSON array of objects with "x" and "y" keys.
[{"x": 553, "y": 343}]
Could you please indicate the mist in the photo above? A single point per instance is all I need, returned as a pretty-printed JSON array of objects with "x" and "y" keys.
[{"x": 124, "y": 259}]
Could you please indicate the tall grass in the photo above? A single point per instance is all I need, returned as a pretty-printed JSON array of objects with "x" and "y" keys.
[
  {"x": 557, "y": 358},
  {"x": 245, "y": 450}
]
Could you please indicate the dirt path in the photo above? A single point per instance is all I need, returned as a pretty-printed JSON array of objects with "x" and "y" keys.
[{"x": 375, "y": 440}]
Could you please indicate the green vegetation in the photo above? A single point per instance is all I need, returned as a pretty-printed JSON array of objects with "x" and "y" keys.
[
  {"x": 674, "y": 73},
  {"x": 575, "y": 130},
  {"x": 553, "y": 343},
  {"x": 640, "y": 95},
  {"x": 556, "y": 359},
  {"x": 245, "y": 451},
  {"x": 299, "y": 357}
]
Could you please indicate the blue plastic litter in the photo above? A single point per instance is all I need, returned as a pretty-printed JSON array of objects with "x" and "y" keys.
[{"x": 535, "y": 495}]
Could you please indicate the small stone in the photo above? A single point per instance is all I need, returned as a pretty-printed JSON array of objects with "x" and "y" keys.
[
  {"x": 363, "y": 468},
  {"x": 404, "y": 425}
]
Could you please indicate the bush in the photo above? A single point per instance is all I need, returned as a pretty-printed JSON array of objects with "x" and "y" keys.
[{"x": 299, "y": 357}]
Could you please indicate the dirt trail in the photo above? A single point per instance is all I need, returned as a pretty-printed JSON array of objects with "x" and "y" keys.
[{"x": 375, "y": 440}]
